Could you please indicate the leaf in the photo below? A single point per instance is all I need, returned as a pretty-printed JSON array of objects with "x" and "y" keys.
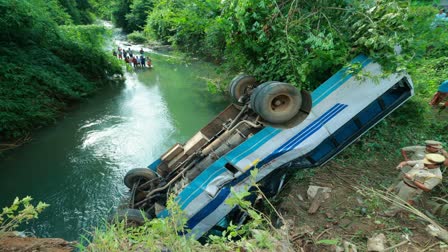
[
  {"x": 444, "y": 210},
  {"x": 327, "y": 242}
]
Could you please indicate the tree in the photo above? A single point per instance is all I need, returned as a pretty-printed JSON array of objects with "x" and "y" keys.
[{"x": 136, "y": 19}]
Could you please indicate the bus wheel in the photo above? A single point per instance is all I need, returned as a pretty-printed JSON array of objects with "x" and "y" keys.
[
  {"x": 240, "y": 86},
  {"x": 140, "y": 176}
]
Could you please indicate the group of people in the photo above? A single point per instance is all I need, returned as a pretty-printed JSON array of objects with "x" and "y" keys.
[
  {"x": 136, "y": 61},
  {"x": 420, "y": 172}
]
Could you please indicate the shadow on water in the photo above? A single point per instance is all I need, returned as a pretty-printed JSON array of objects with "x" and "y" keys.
[{"x": 77, "y": 165}]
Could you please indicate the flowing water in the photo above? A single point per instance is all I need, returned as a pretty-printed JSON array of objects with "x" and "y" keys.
[{"x": 77, "y": 165}]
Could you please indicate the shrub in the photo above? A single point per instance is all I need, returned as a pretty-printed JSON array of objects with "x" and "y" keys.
[
  {"x": 21, "y": 210},
  {"x": 137, "y": 37},
  {"x": 45, "y": 66}
]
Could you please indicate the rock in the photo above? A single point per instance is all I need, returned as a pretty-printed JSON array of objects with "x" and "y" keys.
[
  {"x": 288, "y": 225},
  {"x": 312, "y": 191},
  {"x": 363, "y": 211},
  {"x": 13, "y": 243},
  {"x": 376, "y": 242},
  {"x": 303, "y": 230},
  {"x": 317, "y": 200},
  {"x": 360, "y": 201},
  {"x": 338, "y": 249},
  {"x": 349, "y": 247}
]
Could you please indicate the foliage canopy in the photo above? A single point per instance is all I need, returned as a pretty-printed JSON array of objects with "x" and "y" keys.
[
  {"x": 45, "y": 66},
  {"x": 298, "y": 41}
]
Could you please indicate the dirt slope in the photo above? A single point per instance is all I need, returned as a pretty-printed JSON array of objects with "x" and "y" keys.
[
  {"x": 10, "y": 243},
  {"x": 348, "y": 216}
]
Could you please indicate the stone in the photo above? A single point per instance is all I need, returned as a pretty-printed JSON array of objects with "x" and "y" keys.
[
  {"x": 312, "y": 191},
  {"x": 376, "y": 242}
]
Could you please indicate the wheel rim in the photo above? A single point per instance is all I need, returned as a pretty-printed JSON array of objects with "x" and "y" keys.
[
  {"x": 281, "y": 103},
  {"x": 276, "y": 102},
  {"x": 255, "y": 93},
  {"x": 241, "y": 85}
]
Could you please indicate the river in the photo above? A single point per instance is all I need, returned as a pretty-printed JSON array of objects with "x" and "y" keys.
[{"x": 78, "y": 164}]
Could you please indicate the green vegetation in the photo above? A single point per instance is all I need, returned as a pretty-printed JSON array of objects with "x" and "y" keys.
[
  {"x": 299, "y": 42},
  {"x": 137, "y": 37},
  {"x": 45, "y": 66},
  {"x": 416, "y": 121},
  {"x": 130, "y": 14},
  {"x": 163, "y": 234},
  {"x": 20, "y": 211}
]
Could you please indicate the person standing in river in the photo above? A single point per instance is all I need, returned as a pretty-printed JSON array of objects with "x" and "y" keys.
[
  {"x": 142, "y": 58},
  {"x": 149, "y": 62},
  {"x": 120, "y": 53}
]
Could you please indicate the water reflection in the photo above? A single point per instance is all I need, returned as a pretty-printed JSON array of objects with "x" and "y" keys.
[{"x": 131, "y": 138}]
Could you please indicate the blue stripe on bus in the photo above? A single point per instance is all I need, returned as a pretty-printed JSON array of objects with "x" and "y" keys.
[
  {"x": 280, "y": 151},
  {"x": 317, "y": 123},
  {"x": 251, "y": 144},
  {"x": 222, "y": 195},
  {"x": 211, "y": 206}
]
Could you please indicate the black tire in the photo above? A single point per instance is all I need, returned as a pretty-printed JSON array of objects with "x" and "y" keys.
[
  {"x": 133, "y": 217},
  {"x": 140, "y": 175},
  {"x": 257, "y": 91},
  {"x": 240, "y": 86},
  {"x": 276, "y": 102}
]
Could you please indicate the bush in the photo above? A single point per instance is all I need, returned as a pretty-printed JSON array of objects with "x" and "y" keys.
[
  {"x": 45, "y": 66},
  {"x": 137, "y": 37},
  {"x": 21, "y": 210}
]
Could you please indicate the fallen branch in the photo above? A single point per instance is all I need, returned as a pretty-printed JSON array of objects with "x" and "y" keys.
[
  {"x": 430, "y": 247},
  {"x": 15, "y": 144},
  {"x": 434, "y": 228},
  {"x": 323, "y": 232},
  {"x": 396, "y": 246},
  {"x": 437, "y": 232}
]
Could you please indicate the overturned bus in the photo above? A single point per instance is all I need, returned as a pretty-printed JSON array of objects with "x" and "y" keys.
[{"x": 272, "y": 127}]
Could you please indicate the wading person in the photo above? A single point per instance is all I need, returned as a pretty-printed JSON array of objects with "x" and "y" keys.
[
  {"x": 120, "y": 53},
  {"x": 142, "y": 59},
  {"x": 422, "y": 177}
]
